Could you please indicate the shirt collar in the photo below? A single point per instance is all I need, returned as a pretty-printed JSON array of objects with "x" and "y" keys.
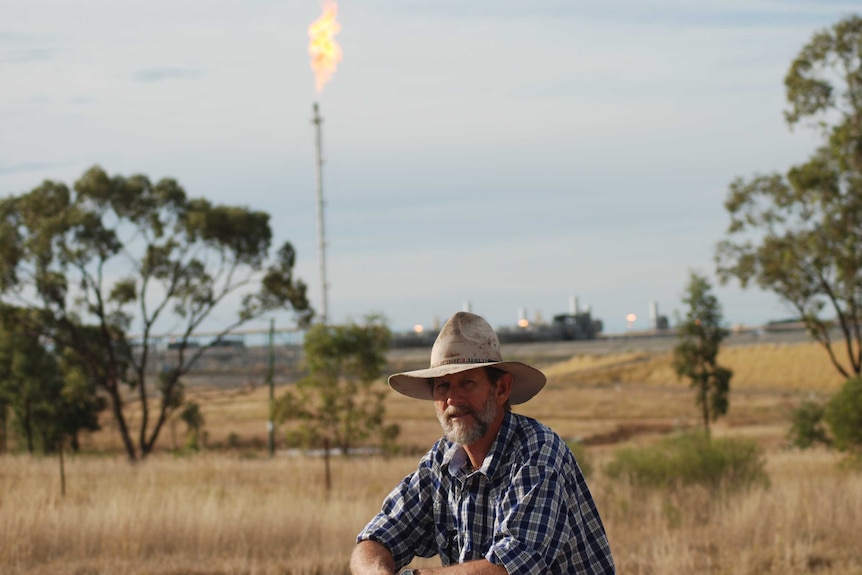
[{"x": 456, "y": 457}]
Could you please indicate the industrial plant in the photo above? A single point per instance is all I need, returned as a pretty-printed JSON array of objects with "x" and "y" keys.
[{"x": 577, "y": 323}]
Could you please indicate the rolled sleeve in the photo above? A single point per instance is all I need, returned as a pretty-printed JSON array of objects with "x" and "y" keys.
[{"x": 404, "y": 525}]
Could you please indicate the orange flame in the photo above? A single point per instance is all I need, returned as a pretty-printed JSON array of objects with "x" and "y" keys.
[{"x": 324, "y": 50}]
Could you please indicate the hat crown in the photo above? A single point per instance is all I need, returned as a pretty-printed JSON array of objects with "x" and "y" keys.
[
  {"x": 466, "y": 338},
  {"x": 467, "y": 342}
]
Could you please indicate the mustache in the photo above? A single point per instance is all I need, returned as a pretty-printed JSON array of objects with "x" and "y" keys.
[{"x": 453, "y": 411}]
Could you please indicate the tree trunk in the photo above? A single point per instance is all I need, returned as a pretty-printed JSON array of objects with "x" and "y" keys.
[
  {"x": 328, "y": 475},
  {"x": 704, "y": 405},
  {"x": 4, "y": 409},
  {"x": 174, "y": 434},
  {"x": 117, "y": 408},
  {"x": 148, "y": 445},
  {"x": 704, "y": 401},
  {"x": 62, "y": 471},
  {"x": 28, "y": 429}
]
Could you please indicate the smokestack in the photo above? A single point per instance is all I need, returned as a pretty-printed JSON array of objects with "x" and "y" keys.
[
  {"x": 466, "y": 307},
  {"x": 318, "y": 184},
  {"x": 573, "y": 305},
  {"x": 653, "y": 315}
]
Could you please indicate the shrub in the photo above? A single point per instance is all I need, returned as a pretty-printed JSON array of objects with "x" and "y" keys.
[
  {"x": 388, "y": 439},
  {"x": 806, "y": 425},
  {"x": 692, "y": 459},
  {"x": 843, "y": 413},
  {"x": 852, "y": 464}
]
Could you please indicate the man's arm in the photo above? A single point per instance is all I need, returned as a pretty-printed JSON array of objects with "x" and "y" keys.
[
  {"x": 371, "y": 558},
  {"x": 480, "y": 567}
]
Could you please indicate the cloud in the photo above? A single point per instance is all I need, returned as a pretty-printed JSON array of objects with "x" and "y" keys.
[
  {"x": 27, "y": 55},
  {"x": 25, "y": 167},
  {"x": 712, "y": 14},
  {"x": 160, "y": 74}
]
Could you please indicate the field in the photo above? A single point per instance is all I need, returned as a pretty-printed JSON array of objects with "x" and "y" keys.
[{"x": 233, "y": 510}]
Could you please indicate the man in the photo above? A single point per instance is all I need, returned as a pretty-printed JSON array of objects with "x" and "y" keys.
[{"x": 500, "y": 493}]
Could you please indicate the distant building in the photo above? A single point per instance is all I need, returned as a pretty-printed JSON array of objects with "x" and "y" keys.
[{"x": 656, "y": 321}]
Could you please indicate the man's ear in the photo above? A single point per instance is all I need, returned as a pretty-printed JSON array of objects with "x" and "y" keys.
[{"x": 504, "y": 388}]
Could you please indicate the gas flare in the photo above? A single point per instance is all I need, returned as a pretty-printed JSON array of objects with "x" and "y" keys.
[{"x": 324, "y": 50}]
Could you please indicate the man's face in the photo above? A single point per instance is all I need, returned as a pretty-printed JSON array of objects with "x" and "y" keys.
[{"x": 467, "y": 404}]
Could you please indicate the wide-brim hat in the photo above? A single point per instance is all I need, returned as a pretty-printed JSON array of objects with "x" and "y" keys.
[{"x": 465, "y": 342}]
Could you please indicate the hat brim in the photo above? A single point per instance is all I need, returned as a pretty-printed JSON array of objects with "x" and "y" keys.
[{"x": 527, "y": 381}]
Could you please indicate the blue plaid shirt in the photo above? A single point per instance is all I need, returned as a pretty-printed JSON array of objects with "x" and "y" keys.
[{"x": 528, "y": 508}]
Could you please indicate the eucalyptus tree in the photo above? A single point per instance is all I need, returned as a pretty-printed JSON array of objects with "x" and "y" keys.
[
  {"x": 799, "y": 234},
  {"x": 339, "y": 402},
  {"x": 118, "y": 253},
  {"x": 695, "y": 357}
]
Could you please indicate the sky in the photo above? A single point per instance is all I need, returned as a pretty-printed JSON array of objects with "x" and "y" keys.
[{"x": 504, "y": 157}]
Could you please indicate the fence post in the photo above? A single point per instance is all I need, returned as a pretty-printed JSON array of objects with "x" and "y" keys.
[{"x": 269, "y": 378}]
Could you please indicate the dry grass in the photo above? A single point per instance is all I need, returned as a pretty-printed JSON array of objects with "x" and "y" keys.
[
  {"x": 207, "y": 514},
  {"x": 784, "y": 367},
  {"x": 802, "y": 524},
  {"x": 235, "y": 511},
  {"x": 223, "y": 514}
]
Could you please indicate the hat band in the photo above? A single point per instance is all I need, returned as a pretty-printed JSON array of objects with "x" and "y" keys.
[{"x": 463, "y": 360}]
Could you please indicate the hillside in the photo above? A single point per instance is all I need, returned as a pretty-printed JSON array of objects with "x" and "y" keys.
[{"x": 601, "y": 392}]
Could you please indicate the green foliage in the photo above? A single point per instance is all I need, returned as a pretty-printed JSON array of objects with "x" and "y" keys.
[
  {"x": 389, "y": 439},
  {"x": 726, "y": 465},
  {"x": 843, "y": 414},
  {"x": 797, "y": 235},
  {"x": 192, "y": 416},
  {"x": 174, "y": 260},
  {"x": 852, "y": 463},
  {"x": 79, "y": 405},
  {"x": 341, "y": 399},
  {"x": 696, "y": 355},
  {"x": 51, "y": 399},
  {"x": 806, "y": 425},
  {"x": 168, "y": 386}
]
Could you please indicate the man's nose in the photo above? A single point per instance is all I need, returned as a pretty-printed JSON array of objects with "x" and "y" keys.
[{"x": 454, "y": 396}]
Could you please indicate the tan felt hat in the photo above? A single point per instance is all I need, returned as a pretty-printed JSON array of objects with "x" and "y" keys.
[{"x": 467, "y": 341}]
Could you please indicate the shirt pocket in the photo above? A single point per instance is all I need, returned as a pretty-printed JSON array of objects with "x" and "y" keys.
[{"x": 445, "y": 534}]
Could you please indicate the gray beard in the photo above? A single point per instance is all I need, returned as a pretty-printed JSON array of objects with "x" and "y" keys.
[{"x": 467, "y": 432}]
